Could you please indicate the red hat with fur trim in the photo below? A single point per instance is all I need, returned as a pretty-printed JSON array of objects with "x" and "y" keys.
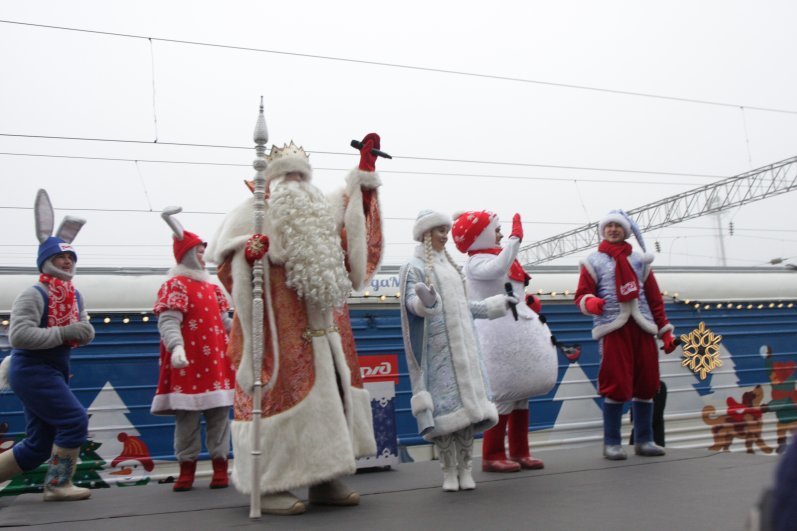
[
  {"x": 189, "y": 241},
  {"x": 468, "y": 226}
]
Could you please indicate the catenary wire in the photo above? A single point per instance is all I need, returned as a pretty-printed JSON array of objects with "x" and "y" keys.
[
  {"x": 405, "y": 67},
  {"x": 432, "y": 159},
  {"x": 319, "y": 168}
]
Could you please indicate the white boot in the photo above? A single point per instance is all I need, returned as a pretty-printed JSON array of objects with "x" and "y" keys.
[
  {"x": 8, "y": 466},
  {"x": 448, "y": 462},
  {"x": 282, "y": 503},
  {"x": 58, "y": 481},
  {"x": 333, "y": 492},
  {"x": 464, "y": 443}
]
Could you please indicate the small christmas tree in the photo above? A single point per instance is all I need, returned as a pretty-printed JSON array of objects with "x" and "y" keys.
[{"x": 90, "y": 463}]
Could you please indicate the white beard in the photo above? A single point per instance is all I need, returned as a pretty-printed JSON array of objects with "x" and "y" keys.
[{"x": 304, "y": 238}]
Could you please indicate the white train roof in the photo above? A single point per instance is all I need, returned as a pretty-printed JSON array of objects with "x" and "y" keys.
[{"x": 135, "y": 289}]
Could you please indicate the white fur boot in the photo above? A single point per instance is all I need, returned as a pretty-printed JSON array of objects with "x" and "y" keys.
[
  {"x": 464, "y": 443},
  {"x": 58, "y": 481},
  {"x": 448, "y": 462}
]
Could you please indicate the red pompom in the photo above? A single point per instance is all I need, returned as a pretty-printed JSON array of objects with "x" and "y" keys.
[{"x": 256, "y": 248}]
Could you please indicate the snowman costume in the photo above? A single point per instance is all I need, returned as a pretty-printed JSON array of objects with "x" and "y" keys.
[{"x": 519, "y": 354}]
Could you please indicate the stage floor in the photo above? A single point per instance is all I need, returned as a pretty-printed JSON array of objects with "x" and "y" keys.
[{"x": 578, "y": 489}]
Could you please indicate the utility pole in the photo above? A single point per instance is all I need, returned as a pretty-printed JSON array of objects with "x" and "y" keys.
[{"x": 720, "y": 237}]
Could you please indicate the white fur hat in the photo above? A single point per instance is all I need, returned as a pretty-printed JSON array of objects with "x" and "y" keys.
[
  {"x": 426, "y": 221},
  {"x": 617, "y": 216},
  {"x": 288, "y": 159},
  {"x": 629, "y": 227}
]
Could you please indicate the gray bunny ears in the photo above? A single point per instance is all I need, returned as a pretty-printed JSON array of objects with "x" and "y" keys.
[
  {"x": 175, "y": 225},
  {"x": 45, "y": 221}
]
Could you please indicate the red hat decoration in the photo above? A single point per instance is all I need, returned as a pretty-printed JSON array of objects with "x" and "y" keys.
[
  {"x": 134, "y": 449},
  {"x": 189, "y": 241},
  {"x": 468, "y": 226}
]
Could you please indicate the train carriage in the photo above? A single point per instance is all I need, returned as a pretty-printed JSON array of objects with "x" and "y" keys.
[{"x": 748, "y": 403}]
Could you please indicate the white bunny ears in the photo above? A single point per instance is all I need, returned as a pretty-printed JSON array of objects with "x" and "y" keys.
[
  {"x": 45, "y": 221},
  {"x": 50, "y": 245}
]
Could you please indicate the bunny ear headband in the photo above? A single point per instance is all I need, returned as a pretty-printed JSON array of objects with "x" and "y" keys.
[
  {"x": 50, "y": 245},
  {"x": 183, "y": 239},
  {"x": 45, "y": 221}
]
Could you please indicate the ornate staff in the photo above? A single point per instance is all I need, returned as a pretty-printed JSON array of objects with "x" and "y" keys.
[{"x": 260, "y": 289}]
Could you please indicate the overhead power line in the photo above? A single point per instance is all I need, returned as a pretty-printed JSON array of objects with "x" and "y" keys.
[
  {"x": 317, "y": 168},
  {"x": 406, "y": 157},
  {"x": 405, "y": 67},
  {"x": 771, "y": 180}
]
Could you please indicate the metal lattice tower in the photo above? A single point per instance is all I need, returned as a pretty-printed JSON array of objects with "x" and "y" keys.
[{"x": 769, "y": 181}]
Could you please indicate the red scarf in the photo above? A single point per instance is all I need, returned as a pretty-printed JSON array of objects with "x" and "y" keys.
[
  {"x": 626, "y": 281},
  {"x": 62, "y": 307},
  {"x": 516, "y": 271}
]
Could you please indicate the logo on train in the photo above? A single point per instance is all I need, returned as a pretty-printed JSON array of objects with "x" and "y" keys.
[{"x": 381, "y": 368}]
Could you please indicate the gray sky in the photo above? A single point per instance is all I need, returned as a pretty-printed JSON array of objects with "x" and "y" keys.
[{"x": 76, "y": 84}]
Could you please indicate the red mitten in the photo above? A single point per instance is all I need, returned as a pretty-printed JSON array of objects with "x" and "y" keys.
[
  {"x": 517, "y": 227},
  {"x": 256, "y": 248},
  {"x": 669, "y": 342},
  {"x": 594, "y": 305},
  {"x": 368, "y": 159},
  {"x": 534, "y": 303}
]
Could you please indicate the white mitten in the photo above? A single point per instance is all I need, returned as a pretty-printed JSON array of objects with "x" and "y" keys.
[
  {"x": 511, "y": 300},
  {"x": 179, "y": 359},
  {"x": 427, "y": 294}
]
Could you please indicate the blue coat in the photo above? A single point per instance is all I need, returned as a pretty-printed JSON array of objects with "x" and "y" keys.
[{"x": 450, "y": 390}]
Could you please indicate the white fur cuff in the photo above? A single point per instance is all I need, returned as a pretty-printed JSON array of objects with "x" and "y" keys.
[
  {"x": 365, "y": 179},
  {"x": 582, "y": 304},
  {"x": 496, "y": 306},
  {"x": 421, "y": 402},
  {"x": 667, "y": 328}
]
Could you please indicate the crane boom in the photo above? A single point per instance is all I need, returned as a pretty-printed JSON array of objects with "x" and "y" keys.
[{"x": 761, "y": 183}]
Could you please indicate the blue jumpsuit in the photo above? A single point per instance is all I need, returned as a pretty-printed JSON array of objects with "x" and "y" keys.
[{"x": 40, "y": 378}]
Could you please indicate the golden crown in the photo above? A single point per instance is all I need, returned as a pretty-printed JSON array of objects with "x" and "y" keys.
[{"x": 288, "y": 150}]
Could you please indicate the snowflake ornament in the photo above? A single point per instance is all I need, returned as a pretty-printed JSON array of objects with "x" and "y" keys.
[{"x": 701, "y": 350}]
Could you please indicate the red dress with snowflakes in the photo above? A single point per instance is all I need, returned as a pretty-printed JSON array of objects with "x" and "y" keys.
[{"x": 209, "y": 380}]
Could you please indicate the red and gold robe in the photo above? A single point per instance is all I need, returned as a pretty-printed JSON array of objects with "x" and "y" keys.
[{"x": 316, "y": 418}]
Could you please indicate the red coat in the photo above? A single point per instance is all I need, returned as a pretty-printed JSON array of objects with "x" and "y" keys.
[{"x": 209, "y": 379}]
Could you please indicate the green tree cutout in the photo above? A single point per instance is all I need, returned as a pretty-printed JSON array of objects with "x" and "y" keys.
[{"x": 90, "y": 463}]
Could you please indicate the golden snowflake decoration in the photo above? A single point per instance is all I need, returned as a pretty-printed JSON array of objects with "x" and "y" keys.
[{"x": 701, "y": 350}]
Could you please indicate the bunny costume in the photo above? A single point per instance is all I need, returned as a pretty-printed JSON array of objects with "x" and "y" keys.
[
  {"x": 47, "y": 321},
  {"x": 196, "y": 378}
]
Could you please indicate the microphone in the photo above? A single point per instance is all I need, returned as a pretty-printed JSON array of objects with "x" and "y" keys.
[
  {"x": 356, "y": 144},
  {"x": 513, "y": 307}
]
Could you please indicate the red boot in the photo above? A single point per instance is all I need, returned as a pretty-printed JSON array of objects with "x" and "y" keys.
[
  {"x": 186, "y": 479},
  {"x": 493, "y": 452},
  {"x": 219, "y": 480},
  {"x": 519, "y": 441}
]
